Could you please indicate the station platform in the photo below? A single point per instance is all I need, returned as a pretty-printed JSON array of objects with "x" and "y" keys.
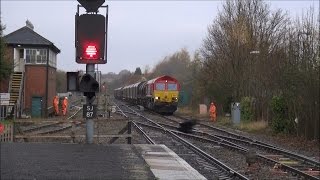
[{"x": 83, "y": 161}]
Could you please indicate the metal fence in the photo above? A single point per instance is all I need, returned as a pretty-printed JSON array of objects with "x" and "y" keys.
[{"x": 7, "y": 134}]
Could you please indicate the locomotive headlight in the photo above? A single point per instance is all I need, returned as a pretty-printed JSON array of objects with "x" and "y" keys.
[
  {"x": 174, "y": 98},
  {"x": 157, "y": 98}
]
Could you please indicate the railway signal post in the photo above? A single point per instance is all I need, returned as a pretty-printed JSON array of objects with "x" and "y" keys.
[{"x": 91, "y": 49}]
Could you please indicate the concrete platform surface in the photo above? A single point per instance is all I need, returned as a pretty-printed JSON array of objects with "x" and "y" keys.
[
  {"x": 166, "y": 164},
  {"x": 82, "y": 161},
  {"x": 71, "y": 161}
]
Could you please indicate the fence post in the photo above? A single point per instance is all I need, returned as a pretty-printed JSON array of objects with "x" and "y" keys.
[
  {"x": 7, "y": 135},
  {"x": 12, "y": 131}
]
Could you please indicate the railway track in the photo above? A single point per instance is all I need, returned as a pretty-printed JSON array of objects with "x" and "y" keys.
[
  {"x": 275, "y": 158},
  {"x": 50, "y": 126},
  {"x": 72, "y": 129},
  {"x": 206, "y": 164},
  {"x": 280, "y": 158}
]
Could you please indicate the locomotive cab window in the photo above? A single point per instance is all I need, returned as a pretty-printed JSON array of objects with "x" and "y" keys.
[
  {"x": 160, "y": 86},
  {"x": 172, "y": 87}
]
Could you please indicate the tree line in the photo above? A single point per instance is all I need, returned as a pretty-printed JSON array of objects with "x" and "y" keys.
[
  {"x": 266, "y": 60},
  {"x": 5, "y": 64},
  {"x": 263, "y": 59}
]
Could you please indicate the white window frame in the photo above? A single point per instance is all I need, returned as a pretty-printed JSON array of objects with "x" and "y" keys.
[
  {"x": 52, "y": 59},
  {"x": 39, "y": 55}
]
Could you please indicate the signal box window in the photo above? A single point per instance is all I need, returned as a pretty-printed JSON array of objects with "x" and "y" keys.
[
  {"x": 52, "y": 59},
  {"x": 36, "y": 56},
  {"x": 172, "y": 87},
  {"x": 160, "y": 86}
]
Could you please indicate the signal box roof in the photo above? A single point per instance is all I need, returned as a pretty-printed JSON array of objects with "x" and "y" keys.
[{"x": 26, "y": 36}]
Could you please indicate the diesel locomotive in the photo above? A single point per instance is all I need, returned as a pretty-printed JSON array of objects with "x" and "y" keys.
[{"x": 159, "y": 94}]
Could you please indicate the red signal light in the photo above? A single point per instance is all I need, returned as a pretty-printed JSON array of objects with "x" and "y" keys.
[
  {"x": 90, "y": 40},
  {"x": 91, "y": 51}
]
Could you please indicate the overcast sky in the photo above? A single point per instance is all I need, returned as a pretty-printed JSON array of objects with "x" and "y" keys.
[{"x": 140, "y": 33}]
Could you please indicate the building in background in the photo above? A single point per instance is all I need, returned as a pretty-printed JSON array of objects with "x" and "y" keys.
[{"x": 32, "y": 85}]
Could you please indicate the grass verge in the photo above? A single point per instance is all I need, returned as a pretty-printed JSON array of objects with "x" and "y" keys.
[
  {"x": 256, "y": 126},
  {"x": 6, "y": 121}
]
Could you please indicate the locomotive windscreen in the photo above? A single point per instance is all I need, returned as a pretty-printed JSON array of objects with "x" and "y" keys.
[
  {"x": 160, "y": 86},
  {"x": 172, "y": 87}
]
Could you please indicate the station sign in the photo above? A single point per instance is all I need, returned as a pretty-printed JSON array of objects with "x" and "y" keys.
[{"x": 4, "y": 99}]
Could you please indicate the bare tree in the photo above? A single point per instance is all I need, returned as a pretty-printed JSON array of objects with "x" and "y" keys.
[
  {"x": 300, "y": 78},
  {"x": 61, "y": 81},
  {"x": 241, "y": 28},
  {"x": 251, "y": 51}
]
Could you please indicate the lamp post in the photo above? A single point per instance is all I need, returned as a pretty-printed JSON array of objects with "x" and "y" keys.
[{"x": 254, "y": 52}]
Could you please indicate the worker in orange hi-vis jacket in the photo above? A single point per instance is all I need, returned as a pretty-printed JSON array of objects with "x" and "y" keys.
[
  {"x": 213, "y": 112},
  {"x": 64, "y": 106},
  {"x": 56, "y": 105}
]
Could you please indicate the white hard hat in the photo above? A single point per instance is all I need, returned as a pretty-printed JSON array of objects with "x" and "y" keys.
[{"x": 66, "y": 97}]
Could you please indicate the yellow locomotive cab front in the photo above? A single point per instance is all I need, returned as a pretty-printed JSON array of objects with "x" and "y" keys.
[{"x": 165, "y": 96}]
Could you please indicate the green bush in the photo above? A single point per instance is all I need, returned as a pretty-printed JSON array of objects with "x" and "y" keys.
[
  {"x": 280, "y": 120},
  {"x": 247, "y": 111}
]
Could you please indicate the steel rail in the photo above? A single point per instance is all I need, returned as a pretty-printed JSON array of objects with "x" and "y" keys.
[
  {"x": 74, "y": 113},
  {"x": 56, "y": 130},
  {"x": 150, "y": 141},
  {"x": 229, "y": 144},
  {"x": 265, "y": 145},
  {"x": 52, "y": 124},
  {"x": 260, "y": 143},
  {"x": 283, "y": 166},
  {"x": 198, "y": 150},
  {"x": 122, "y": 113},
  {"x": 219, "y": 141},
  {"x": 195, "y": 149},
  {"x": 40, "y": 127},
  {"x": 210, "y": 158}
]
